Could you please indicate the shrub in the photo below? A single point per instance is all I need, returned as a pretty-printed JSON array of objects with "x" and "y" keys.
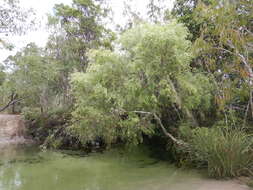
[
  {"x": 41, "y": 126},
  {"x": 30, "y": 113},
  {"x": 226, "y": 152}
]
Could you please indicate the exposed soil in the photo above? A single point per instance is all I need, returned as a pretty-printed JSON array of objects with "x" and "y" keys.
[{"x": 12, "y": 129}]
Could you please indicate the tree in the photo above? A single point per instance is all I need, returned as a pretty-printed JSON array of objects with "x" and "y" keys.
[
  {"x": 130, "y": 93},
  {"x": 13, "y": 20},
  {"x": 184, "y": 11},
  {"x": 75, "y": 29},
  {"x": 225, "y": 48},
  {"x": 31, "y": 78},
  {"x": 83, "y": 28},
  {"x": 155, "y": 10},
  {"x": 133, "y": 17}
]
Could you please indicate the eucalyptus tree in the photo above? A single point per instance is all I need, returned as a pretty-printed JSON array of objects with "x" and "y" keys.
[
  {"x": 155, "y": 10},
  {"x": 184, "y": 11},
  {"x": 30, "y": 78},
  {"x": 222, "y": 35},
  {"x": 82, "y": 28},
  {"x": 74, "y": 30},
  {"x": 225, "y": 48},
  {"x": 14, "y": 20}
]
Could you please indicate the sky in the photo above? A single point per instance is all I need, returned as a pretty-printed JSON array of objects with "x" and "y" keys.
[{"x": 43, "y": 7}]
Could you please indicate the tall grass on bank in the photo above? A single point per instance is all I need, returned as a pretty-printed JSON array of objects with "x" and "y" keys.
[{"x": 226, "y": 152}]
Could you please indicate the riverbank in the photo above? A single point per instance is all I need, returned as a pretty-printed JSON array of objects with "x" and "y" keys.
[
  {"x": 12, "y": 130},
  {"x": 18, "y": 151}
]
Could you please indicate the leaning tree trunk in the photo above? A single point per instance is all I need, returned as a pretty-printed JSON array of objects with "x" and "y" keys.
[{"x": 10, "y": 103}]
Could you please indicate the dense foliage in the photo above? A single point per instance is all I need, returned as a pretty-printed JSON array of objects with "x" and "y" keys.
[
  {"x": 226, "y": 151},
  {"x": 183, "y": 76},
  {"x": 152, "y": 74}
]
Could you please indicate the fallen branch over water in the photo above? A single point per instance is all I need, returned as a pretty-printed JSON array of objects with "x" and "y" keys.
[
  {"x": 175, "y": 140},
  {"x": 166, "y": 133}
]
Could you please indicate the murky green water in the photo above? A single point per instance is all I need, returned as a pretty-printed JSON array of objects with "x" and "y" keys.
[{"x": 32, "y": 169}]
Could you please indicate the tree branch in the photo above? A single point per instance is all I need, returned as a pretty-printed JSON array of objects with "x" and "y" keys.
[
  {"x": 178, "y": 142},
  {"x": 249, "y": 69},
  {"x": 11, "y": 103}
]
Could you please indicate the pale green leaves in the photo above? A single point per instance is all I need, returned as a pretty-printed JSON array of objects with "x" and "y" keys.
[{"x": 151, "y": 73}]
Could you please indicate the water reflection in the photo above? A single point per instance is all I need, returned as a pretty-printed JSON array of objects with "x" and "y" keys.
[{"x": 27, "y": 168}]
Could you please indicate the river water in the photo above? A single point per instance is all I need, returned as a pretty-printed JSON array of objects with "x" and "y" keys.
[{"x": 28, "y": 168}]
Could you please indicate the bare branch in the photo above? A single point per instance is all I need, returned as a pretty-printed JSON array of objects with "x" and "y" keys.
[
  {"x": 178, "y": 142},
  {"x": 10, "y": 103}
]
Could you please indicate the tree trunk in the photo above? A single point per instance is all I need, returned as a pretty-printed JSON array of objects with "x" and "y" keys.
[{"x": 178, "y": 101}]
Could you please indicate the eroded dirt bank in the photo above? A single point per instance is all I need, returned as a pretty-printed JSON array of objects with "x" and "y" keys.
[{"x": 12, "y": 129}]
